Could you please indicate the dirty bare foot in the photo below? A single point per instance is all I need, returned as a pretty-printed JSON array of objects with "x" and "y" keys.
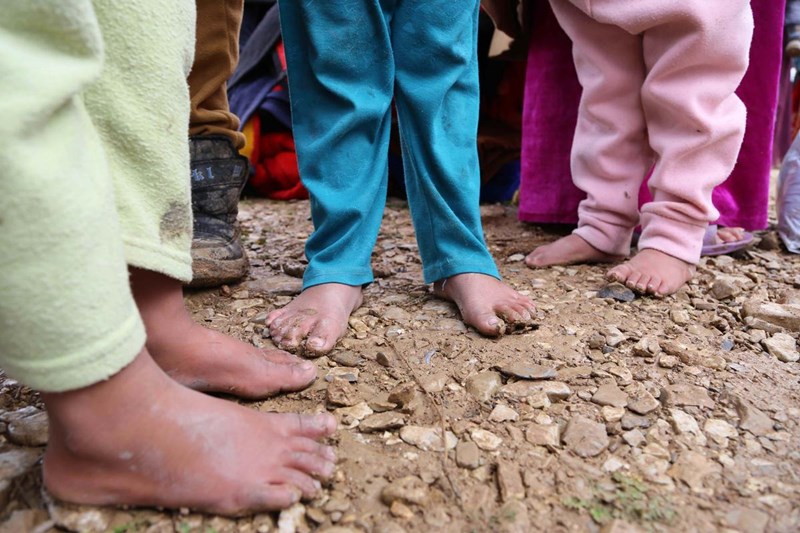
[
  {"x": 653, "y": 272},
  {"x": 728, "y": 235},
  {"x": 142, "y": 439},
  {"x": 204, "y": 359},
  {"x": 486, "y": 303},
  {"x": 568, "y": 250},
  {"x": 313, "y": 322}
]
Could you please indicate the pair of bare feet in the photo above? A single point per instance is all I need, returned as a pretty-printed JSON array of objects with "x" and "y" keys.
[
  {"x": 648, "y": 272},
  {"x": 318, "y": 317},
  {"x": 144, "y": 437}
]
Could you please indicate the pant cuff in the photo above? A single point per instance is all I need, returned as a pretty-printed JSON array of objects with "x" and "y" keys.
[
  {"x": 449, "y": 269},
  {"x": 682, "y": 240},
  {"x": 611, "y": 239},
  {"x": 355, "y": 278},
  {"x": 144, "y": 255}
]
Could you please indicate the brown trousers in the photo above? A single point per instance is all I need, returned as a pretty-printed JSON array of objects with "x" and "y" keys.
[{"x": 216, "y": 57}]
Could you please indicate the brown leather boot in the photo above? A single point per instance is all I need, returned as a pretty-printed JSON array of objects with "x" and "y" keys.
[{"x": 219, "y": 174}]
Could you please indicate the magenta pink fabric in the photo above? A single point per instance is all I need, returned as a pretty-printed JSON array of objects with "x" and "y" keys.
[{"x": 552, "y": 93}]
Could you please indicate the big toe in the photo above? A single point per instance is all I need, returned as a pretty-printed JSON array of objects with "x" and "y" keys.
[{"x": 487, "y": 323}]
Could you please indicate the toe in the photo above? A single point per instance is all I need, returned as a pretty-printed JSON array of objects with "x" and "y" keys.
[
  {"x": 632, "y": 281},
  {"x": 488, "y": 323},
  {"x": 323, "y": 337},
  {"x": 309, "y": 486},
  {"x": 310, "y": 426},
  {"x": 619, "y": 273},
  {"x": 311, "y": 463},
  {"x": 272, "y": 497}
]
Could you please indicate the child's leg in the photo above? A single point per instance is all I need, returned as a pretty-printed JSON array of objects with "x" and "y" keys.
[
  {"x": 341, "y": 77},
  {"x": 139, "y": 104},
  {"x": 696, "y": 54},
  {"x": 610, "y": 154},
  {"x": 119, "y": 426},
  {"x": 435, "y": 50}
]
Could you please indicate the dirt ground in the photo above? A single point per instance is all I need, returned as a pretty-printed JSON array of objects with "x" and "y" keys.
[{"x": 645, "y": 415}]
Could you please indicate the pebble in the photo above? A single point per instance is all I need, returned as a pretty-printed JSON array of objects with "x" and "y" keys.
[
  {"x": 80, "y": 518},
  {"x": 515, "y": 258},
  {"x": 631, "y": 421},
  {"x": 680, "y": 316},
  {"x": 612, "y": 414},
  {"x": 428, "y": 439},
  {"x": 681, "y": 395},
  {"x": 384, "y": 359},
  {"x": 610, "y": 395},
  {"x": 785, "y": 316},
  {"x": 404, "y": 394},
  {"x": 692, "y": 468},
  {"x": 684, "y": 423},
  {"x": 468, "y": 455},
  {"x": 634, "y": 438},
  {"x": 26, "y": 427},
  {"x": 342, "y": 393},
  {"x": 513, "y": 518},
  {"x": 747, "y": 520},
  {"x": 485, "y": 440},
  {"x": 555, "y": 390},
  {"x": 407, "y": 490},
  {"x": 509, "y": 481},
  {"x": 528, "y": 371},
  {"x": 647, "y": 347},
  {"x": 543, "y": 435},
  {"x": 783, "y": 346},
  {"x": 584, "y": 437},
  {"x": 668, "y": 361},
  {"x": 617, "y": 291},
  {"x": 347, "y": 374},
  {"x": 752, "y": 419},
  {"x": 503, "y": 413},
  {"x": 613, "y": 464},
  {"x": 396, "y": 314},
  {"x": 722, "y": 288},
  {"x": 643, "y": 403},
  {"x": 348, "y": 359},
  {"x": 401, "y": 510},
  {"x": 614, "y": 337},
  {"x": 720, "y": 431},
  {"x": 483, "y": 385},
  {"x": 382, "y": 422}
]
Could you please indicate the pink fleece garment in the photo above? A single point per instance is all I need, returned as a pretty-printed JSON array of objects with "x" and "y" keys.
[{"x": 658, "y": 92}]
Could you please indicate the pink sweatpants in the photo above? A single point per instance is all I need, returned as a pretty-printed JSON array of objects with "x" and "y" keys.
[{"x": 658, "y": 83}]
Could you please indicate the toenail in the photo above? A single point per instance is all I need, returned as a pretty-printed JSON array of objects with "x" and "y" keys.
[
  {"x": 315, "y": 343},
  {"x": 494, "y": 321},
  {"x": 306, "y": 365}
]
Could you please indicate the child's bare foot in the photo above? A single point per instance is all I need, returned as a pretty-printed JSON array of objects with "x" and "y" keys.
[
  {"x": 653, "y": 272},
  {"x": 142, "y": 439},
  {"x": 725, "y": 234},
  {"x": 204, "y": 359},
  {"x": 486, "y": 303},
  {"x": 313, "y": 322},
  {"x": 568, "y": 250}
]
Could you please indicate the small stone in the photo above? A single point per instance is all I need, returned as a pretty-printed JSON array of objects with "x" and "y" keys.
[
  {"x": 610, "y": 395},
  {"x": 747, "y": 520},
  {"x": 384, "y": 359},
  {"x": 513, "y": 518},
  {"x": 614, "y": 337},
  {"x": 26, "y": 427},
  {"x": 782, "y": 346},
  {"x": 396, "y": 314},
  {"x": 428, "y": 439},
  {"x": 348, "y": 359},
  {"x": 727, "y": 344},
  {"x": 509, "y": 481},
  {"x": 434, "y": 382},
  {"x": 785, "y": 316},
  {"x": 347, "y": 374},
  {"x": 401, "y": 510},
  {"x": 382, "y": 422},
  {"x": 680, "y": 316},
  {"x": 528, "y": 371},
  {"x": 381, "y": 404},
  {"x": 408, "y": 489},
  {"x": 643, "y": 403},
  {"x": 503, "y": 413},
  {"x": 613, "y": 464},
  {"x": 485, "y": 440},
  {"x": 668, "y": 361},
  {"x": 612, "y": 414},
  {"x": 723, "y": 288},
  {"x": 647, "y": 347},
  {"x": 543, "y": 435},
  {"x": 80, "y": 518},
  {"x": 584, "y": 437},
  {"x": 684, "y": 423},
  {"x": 317, "y": 516},
  {"x": 632, "y": 421},
  {"x": 617, "y": 291},
  {"x": 515, "y": 258},
  {"x": 720, "y": 431},
  {"x": 357, "y": 412},
  {"x": 634, "y": 438},
  {"x": 403, "y": 394},
  {"x": 555, "y": 390},
  {"x": 681, "y": 395},
  {"x": 468, "y": 455},
  {"x": 753, "y": 419},
  {"x": 16, "y": 462},
  {"x": 342, "y": 394},
  {"x": 483, "y": 385},
  {"x": 692, "y": 468}
]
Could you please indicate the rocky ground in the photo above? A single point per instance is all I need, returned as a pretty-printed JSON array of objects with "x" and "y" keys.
[{"x": 614, "y": 414}]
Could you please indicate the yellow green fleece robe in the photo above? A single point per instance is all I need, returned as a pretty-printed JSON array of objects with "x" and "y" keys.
[{"x": 94, "y": 176}]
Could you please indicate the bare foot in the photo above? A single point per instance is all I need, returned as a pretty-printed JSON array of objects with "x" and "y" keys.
[
  {"x": 568, "y": 250},
  {"x": 653, "y": 272},
  {"x": 142, "y": 439},
  {"x": 313, "y": 322},
  {"x": 728, "y": 235},
  {"x": 204, "y": 359},
  {"x": 486, "y": 303}
]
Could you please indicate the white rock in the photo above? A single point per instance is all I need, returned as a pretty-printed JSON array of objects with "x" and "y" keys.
[
  {"x": 503, "y": 413},
  {"x": 485, "y": 440},
  {"x": 783, "y": 346},
  {"x": 428, "y": 439},
  {"x": 719, "y": 431}
]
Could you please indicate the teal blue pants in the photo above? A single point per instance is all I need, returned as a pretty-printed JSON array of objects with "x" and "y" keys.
[{"x": 347, "y": 60}]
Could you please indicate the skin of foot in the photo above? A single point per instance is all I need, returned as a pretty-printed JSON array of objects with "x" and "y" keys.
[
  {"x": 569, "y": 250},
  {"x": 653, "y": 272},
  {"x": 204, "y": 359},
  {"x": 729, "y": 235},
  {"x": 486, "y": 303},
  {"x": 142, "y": 439},
  {"x": 313, "y": 322}
]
